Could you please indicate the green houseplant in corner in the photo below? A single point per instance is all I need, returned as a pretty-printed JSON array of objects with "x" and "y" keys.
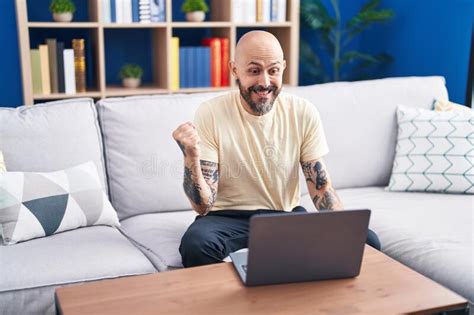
[
  {"x": 131, "y": 75},
  {"x": 195, "y": 10},
  {"x": 62, "y": 10},
  {"x": 335, "y": 37}
]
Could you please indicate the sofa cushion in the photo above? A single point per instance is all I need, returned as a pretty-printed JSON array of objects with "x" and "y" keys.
[
  {"x": 37, "y": 204},
  {"x": 51, "y": 136},
  {"x": 430, "y": 233},
  {"x": 85, "y": 254},
  {"x": 144, "y": 163},
  {"x": 158, "y": 235},
  {"x": 434, "y": 151},
  {"x": 359, "y": 120}
]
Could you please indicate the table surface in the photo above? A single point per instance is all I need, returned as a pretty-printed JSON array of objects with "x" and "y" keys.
[{"x": 383, "y": 286}]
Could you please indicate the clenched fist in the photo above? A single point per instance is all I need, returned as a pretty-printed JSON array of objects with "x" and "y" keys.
[{"x": 188, "y": 140}]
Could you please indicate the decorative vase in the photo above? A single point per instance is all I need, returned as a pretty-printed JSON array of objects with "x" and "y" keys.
[
  {"x": 131, "y": 82},
  {"x": 62, "y": 17},
  {"x": 196, "y": 16}
]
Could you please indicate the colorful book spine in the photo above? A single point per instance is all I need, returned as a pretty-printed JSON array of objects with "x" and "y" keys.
[
  {"x": 135, "y": 12},
  {"x": 144, "y": 11},
  {"x": 119, "y": 18},
  {"x": 60, "y": 66},
  {"x": 207, "y": 66},
  {"x": 155, "y": 10},
  {"x": 216, "y": 60},
  {"x": 281, "y": 11},
  {"x": 79, "y": 64},
  {"x": 274, "y": 10},
  {"x": 266, "y": 11},
  {"x": 106, "y": 11},
  {"x": 259, "y": 12},
  {"x": 45, "y": 81},
  {"x": 182, "y": 67},
  {"x": 189, "y": 68},
  {"x": 162, "y": 14},
  {"x": 113, "y": 11},
  {"x": 174, "y": 63},
  {"x": 36, "y": 71},
  {"x": 225, "y": 61},
  {"x": 69, "y": 74},
  {"x": 53, "y": 64},
  {"x": 127, "y": 11}
]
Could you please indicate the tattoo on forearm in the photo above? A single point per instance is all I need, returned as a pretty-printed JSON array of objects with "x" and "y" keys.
[
  {"x": 192, "y": 190},
  {"x": 315, "y": 174},
  {"x": 181, "y": 146},
  {"x": 325, "y": 197}
]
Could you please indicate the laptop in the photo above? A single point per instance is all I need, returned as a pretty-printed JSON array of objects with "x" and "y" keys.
[{"x": 295, "y": 247}]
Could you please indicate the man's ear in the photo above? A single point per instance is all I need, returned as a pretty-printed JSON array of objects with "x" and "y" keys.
[
  {"x": 233, "y": 69},
  {"x": 284, "y": 64}
]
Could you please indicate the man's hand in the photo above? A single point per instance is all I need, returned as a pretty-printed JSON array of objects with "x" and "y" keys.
[{"x": 188, "y": 140}]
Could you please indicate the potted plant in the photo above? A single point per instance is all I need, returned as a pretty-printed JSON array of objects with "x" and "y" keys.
[
  {"x": 131, "y": 75},
  {"x": 195, "y": 10},
  {"x": 62, "y": 10}
]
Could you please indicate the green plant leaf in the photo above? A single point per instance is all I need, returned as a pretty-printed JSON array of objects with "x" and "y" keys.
[
  {"x": 62, "y": 6},
  {"x": 131, "y": 70},
  {"x": 194, "y": 5},
  {"x": 367, "y": 16},
  {"x": 315, "y": 16}
]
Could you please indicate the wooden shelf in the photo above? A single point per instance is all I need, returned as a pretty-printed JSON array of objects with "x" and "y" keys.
[
  {"x": 135, "y": 25},
  {"x": 117, "y": 90},
  {"x": 219, "y": 25},
  {"x": 64, "y": 95},
  {"x": 200, "y": 24},
  {"x": 63, "y": 25}
]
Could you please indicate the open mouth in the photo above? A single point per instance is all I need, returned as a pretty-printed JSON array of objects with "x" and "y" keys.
[{"x": 263, "y": 93}]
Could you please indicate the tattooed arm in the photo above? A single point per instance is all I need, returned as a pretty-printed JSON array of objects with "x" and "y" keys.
[
  {"x": 319, "y": 186},
  {"x": 200, "y": 177},
  {"x": 200, "y": 184}
]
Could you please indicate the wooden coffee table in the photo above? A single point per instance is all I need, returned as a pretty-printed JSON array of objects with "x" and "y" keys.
[{"x": 383, "y": 286}]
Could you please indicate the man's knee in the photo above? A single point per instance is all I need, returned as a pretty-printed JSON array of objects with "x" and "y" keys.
[
  {"x": 199, "y": 248},
  {"x": 373, "y": 240}
]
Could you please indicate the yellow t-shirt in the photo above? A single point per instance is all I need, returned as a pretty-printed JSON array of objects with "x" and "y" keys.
[{"x": 259, "y": 156}]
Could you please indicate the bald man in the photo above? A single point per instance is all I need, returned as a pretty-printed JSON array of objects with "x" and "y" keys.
[{"x": 242, "y": 154}]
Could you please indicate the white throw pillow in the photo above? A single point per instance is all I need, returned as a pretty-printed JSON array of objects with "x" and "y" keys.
[
  {"x": 434, "y": 151},
  {"x": 34, "y": 204}
]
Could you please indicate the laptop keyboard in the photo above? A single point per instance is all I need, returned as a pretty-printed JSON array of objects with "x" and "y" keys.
[{"x": 244, "y": 267}]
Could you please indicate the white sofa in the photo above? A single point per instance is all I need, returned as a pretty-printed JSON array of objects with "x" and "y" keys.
[{"x": 130, "y": 141}]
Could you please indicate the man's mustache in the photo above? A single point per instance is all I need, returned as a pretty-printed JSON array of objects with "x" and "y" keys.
[{"x": 261, "y": 88}]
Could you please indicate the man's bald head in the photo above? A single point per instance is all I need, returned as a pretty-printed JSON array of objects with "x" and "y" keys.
[{"x": 257, "y": 45}]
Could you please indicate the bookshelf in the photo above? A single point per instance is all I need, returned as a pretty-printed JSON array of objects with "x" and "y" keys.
[{"x": 219, "y": 23}]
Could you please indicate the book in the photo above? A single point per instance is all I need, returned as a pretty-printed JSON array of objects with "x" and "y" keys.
[
  {"x": 36, "y": 71},
  {"x": 259, "y": 11},
  {"x": 225, "y": 61},
  {"x": 250, "y": 11},
  {"x": 281, "y": 10},
  {"x": 155, "y": 10},
  {"x": 113, "y": 11},
  {"x": 182, "y": 67},
  {"x": 127, "y": 11},
  {"x": 119, "y": 11},
  {"x": 216, "y": 59},
  {"x": 174, "y": 63},
  {"x": 53, "y": 64},
  {"x": 106, "y": 11},
  {"x": 238, "y": 7},
  {"x": 135, "y": 13},
  {"x": 162, "y": 14},
  {"x": 266, "y": 11},
  {"x": 44, "y": 59},
  {"x": 60, "y": 66},
  {"x": 69, "y": 75},
  {"x": 274, "y": 10},
  {"x": 79, "y": 64},
  {"x": 207, "y": 66}
]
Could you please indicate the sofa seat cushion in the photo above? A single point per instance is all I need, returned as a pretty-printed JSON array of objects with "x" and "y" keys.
[
  {"x": 430, "y": 233},
  {"x": 85, "y": 254},
  {"x": 158, "y": 235}
]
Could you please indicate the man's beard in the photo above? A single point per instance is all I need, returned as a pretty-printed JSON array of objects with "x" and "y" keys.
[{"x": 259, "y": 108}]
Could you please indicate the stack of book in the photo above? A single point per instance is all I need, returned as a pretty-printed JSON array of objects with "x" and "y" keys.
[
  {"x": 200, "y": 66},
  {"x": 251, "y": 11},
  {"x": 133, "y": 11},
  {"x": 55, "y": 69}
]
